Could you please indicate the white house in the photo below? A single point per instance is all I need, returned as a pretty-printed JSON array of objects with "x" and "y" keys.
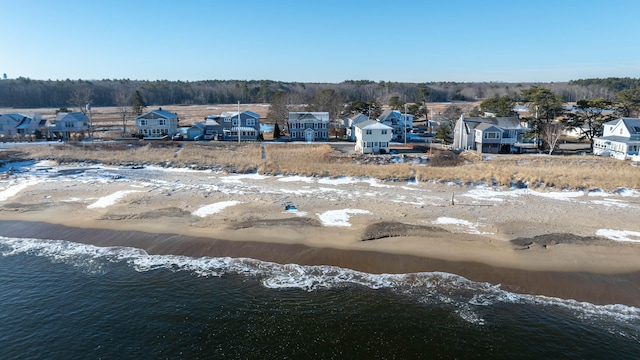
[
  {"x": 350, "y": 123},
  {"x": 488, "y": 135},
  {"x": 19, "y": 125},
  {"x": 620, "y": 139},
  {"x": 67, "y": 124},
  {"x": 309, "y": 126},
  {"x": 372, "y": 137},
  {"x": 157, "y": 123}
]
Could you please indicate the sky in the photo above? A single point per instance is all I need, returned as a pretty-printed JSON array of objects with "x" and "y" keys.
[{"x": 325, "y": 41}]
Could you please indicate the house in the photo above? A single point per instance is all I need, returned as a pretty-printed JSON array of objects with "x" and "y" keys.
[
  {"x": 401, "y": 123},
  {"x": 372, "y": 137},
  {"x": 17, "y": 126},
  {"x": 69, "y": 124},
  {"x": 488, "y": 135},
  {"x": 620, "y": 139},
  {"x": 350, "y": 123},
  {"x": 227, "y": 127},
  {"x": 157, "y": 123},
  {"x": 309, "y": 126}
]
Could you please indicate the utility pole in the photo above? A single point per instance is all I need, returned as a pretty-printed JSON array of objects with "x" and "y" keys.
[
  {"x": 238, "y": 128},
  {"x": 405, "y": 125}
]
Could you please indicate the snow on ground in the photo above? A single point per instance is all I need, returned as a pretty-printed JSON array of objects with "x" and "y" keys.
[
  {"x": 214, "y": 208},
  {"x": 619, "y": 235},
  {"x": 238, "y": 178},
  {"x": 14, "y": 189},
  {"x": 296, "y": 178},
  {"x": 340, "y": 217},
  {"x": 343, "y": 180},
  {"x": 109, "y": 200},
  {"x": 610, "y": 202},
  {"x": 296, "y": 212},
  {"x": 489, "y": 194},
  {"x": 472, "y": 228}
]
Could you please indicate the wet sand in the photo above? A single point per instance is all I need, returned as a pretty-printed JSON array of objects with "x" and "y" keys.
[{"x": 595, "y": 288}]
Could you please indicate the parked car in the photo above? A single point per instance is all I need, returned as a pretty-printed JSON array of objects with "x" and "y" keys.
[{"x": 177, "y": 137}]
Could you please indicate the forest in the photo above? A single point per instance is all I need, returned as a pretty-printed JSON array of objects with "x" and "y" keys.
[{"x": 29, "y": 93}]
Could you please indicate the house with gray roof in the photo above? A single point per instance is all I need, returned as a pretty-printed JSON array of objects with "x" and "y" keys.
[
  {"x": 488, "y": 135},
  {"x": 309, "y": 126},
  {"x": 231, "y": 126},
  {"x": 620, "y": 139},
  {"x": 157, "y": 123},
  {"x": 69, "y": 124},
  {"x": 400, "y": 122},
  {"x": 350, "y": 123},
  {"x": 17, "y": 126},
  {"x": 372, "y": 137}
]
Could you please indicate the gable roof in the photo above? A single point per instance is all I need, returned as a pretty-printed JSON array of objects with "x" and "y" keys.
[
  {"x": 502, "y": 122},
  {"x": 372, "y": 124},
  {"x": 632, "y": 124},
  {"x": 155, "y": 114},
  {"x": 309, "y": 115},
  {"x": 76, "y": 116}
]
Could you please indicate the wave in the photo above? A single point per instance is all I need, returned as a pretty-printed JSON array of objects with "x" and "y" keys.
[{"x": 468, "y": 297}]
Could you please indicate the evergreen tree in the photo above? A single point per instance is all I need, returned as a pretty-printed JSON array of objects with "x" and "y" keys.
[
  {"x": 276, "y": 131},
  {"x": 444, "y": 134},
  {"x": 138, "y": 105}
]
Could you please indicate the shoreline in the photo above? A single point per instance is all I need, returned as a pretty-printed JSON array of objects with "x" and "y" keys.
[{"x": 601, "y": 289}]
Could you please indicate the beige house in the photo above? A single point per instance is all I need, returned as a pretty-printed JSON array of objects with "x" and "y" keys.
[{"x": 372, "y": 137}]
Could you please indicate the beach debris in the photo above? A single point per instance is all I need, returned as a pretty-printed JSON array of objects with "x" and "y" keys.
[{"x": 290, "y": 207}]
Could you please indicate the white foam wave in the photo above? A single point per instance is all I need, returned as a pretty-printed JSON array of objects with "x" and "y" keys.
[{"x": 468, "y": 297}]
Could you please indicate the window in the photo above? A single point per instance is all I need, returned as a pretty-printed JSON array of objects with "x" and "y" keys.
[
  {"x": 384, "y": 132},
  {"x": 227, "y": 119},
  {"x": 143, "y": 122},
  {"x": 68, "y": 124},
  {"x": 368, "y": 132},
  {"x": 234, "y": 121},
  {"x": 491, "y": 135},
  {"x": 251, "y": 122},
  {"x": 162, "y": 122}
]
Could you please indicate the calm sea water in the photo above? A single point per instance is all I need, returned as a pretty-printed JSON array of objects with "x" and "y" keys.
[{"x": 61, "y": 300}]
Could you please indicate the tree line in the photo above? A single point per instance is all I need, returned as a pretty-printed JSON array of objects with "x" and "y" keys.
[{"x": 28, "y": 93}]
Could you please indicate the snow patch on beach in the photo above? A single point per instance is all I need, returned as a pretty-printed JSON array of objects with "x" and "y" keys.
[
  {"x": 109, "y": 200},
  {"x": 214, "y": 208},
  {"x": 13, "y": 189},
  {"x": 619, "y": 235},
  {"x": 488, "y": 194},
  {"x": 296, "y": 212},
  {"x": 611, "y": 203},
  {"x": 238, "y": 178},
  {"x": 296, "y": 178},
  {"x": 343, "y": 180},
  {"x": 471, "y": 227},
  {"x": 340, "y": 217}
]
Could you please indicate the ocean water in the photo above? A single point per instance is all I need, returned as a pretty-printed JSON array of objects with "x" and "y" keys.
[{"x": 63, "y": 300}]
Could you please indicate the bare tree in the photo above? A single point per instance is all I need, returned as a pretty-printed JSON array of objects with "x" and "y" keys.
[
  {"x": 80, "y": 97},
  {"x": 122, "y": 99},
  {"x": 551, "y": 133},
  {"x": 281, "y": 104}
]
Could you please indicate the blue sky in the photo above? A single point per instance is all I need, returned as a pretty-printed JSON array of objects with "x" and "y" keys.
[{"x": 320, "y": 41}]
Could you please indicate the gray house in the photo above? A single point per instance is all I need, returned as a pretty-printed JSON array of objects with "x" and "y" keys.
[
  {"x": 489, "y": 135},
  {"x": 17, "y": 126},
  {"x": 400, "y": 122},
  {"x": 68, "y": 124},
  {"x": 309, "y": 126},
  {"x": 227, "y": 127},
  {"x": 157, "y": 123}
]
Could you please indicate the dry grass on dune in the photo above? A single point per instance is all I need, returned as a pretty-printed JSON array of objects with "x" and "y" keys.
[
  {"x": 321, "y": 160},
  {"x": 575, "y": 172}
]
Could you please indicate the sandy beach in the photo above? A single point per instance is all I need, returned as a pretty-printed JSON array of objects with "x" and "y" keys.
[{"x": 581, "y": 245}]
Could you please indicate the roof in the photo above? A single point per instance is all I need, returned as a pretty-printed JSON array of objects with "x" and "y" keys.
[
  {"x": 632, "y": 124},
  {"x": 620, "y": 139},
  {"x": 158, "y": 113},
  {"x": 211, "y": 122},
  {"x": 235, "y": 113},
  {"x": 315, "y": 116},
  {"x": 372, "y": 124},
  {"x": 502, "y": 122},
  {"x": 77, "y": 116},
  {"x": 484, "y": 126}
]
